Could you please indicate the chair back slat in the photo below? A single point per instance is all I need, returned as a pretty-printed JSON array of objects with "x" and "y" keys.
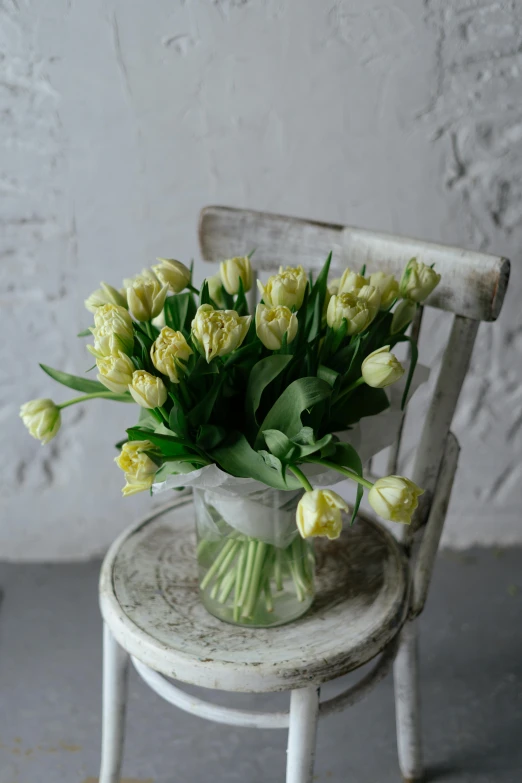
[{"x": 473, "y": 284}]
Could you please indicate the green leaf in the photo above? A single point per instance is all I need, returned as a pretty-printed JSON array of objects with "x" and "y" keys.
[
  {"x": 173, "y": 468},
  {"x": 170, "y": 446},
  {"x": 176, "y": 309},
  {"x": 239, "y": 459},
  {"x": 201, "y": 413},
  {"x": 411, "y": 369},
  {"x": 305, "y": 449},
  {"x": 327, "y": 374},
  {"x": 346, "y": 456},
  {"x": 285, "y": 414},
  {"x": 177, "y": 419},
  {"x": 74, "y": 381},
  {"x": 85, "y": 333},
  {"x": 262, "y": 373},
  {"x": 240, "y": 305},
  {"x": 365, "y": 401},
  {"x": 279, "y": 445},
  {"x": 204, "y": 296},
  {"x": 210, "y": 436}
]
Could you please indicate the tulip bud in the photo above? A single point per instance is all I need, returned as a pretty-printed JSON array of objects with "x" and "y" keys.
[
  {"x": 351, "y": 282},
  {"x": 234, "y": 270},
  {"x": 319, "y": 513},
  {"x": 169, "y": 352},
  {"x": 381, "y": 368},
  {"x": 219, "y": 332},
  {"x": 115, "y": 372},
  {"x": 105, "y": 294},
  {"x": 215, "y": 290},
  {"x": 42, "y": 419},
  {"x": 272, "y": 323},
  {"x": 387, "y": 286},
  {"x": 358, "y": 309},
  {"x": 146, "y": 298},
  {"x": 173, "y": 274},
  {"x": 148, "y": 390},
  {"x": 138, "y": 467},
  {"x": 286, "y": 288},
  {"x": 112, "y": 331},
  {"x": 394, "y": 498},
  {"x": 403, "y": 315},
  {"x": 418, "y": 281}
]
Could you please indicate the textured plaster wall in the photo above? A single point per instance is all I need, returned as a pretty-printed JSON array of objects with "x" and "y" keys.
[{"x": 120, "y": 120}]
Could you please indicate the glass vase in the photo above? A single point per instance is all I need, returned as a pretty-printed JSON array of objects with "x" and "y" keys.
[{"x": 254, "y": 568}]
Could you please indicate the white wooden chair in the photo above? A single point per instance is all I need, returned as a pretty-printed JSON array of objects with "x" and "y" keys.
[{"x": 371, "y": 587}]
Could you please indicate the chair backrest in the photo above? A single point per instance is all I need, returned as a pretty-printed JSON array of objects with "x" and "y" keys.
[{"x": 472, "y": 287}]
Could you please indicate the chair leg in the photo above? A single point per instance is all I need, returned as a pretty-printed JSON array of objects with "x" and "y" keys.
[
  {"x": 302, "y": 733},
  {"x": 407, "y": 704},
  {"x": 115, "y": 675}
]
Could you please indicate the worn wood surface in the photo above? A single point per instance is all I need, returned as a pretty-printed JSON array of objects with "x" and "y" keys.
[
  {"x": 473, "y": 284},
  {"x": 150, "y": 599}
]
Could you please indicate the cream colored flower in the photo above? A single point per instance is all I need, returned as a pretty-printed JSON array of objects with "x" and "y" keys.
[
  {"x": 219, "y": 332},
  {"x": 105, "y": 294},
  {"x": 418, "y": 281},
  {"x": 232, "y": 271},
  {"x": 146, "y": 297},
  {"x": 394, "y": 498},
  {"x": 172, "y": 273},
  {"x": 272, "y": 323},
  {"x": 403, "y": 315},
  {"x": 286, "y": 288},
  {"x": 169, "y": 352},
  {"x": 351, "y": 282},
  {"x": 381, "y": 368},
  {"x": 112, "y": 331},
  {"x": 138, "y": 467},
  {"x": 148, "y": 390},
  {"x": 357, "y": 308},
  {"x": 215, "y": 289},
  {"x": 42, "y": 419},
  {"x": 319, "y": 513},
  {"x": 333, "y": 286},
  {"x": 387, "y": 286},
  {"x": 115, "y": 372}
]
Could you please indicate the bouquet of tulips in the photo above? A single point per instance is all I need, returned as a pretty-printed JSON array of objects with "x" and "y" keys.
[{"x": 260, "y": 395}]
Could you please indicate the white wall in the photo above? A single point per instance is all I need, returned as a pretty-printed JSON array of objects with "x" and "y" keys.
[{"x": 120, "y": 120}]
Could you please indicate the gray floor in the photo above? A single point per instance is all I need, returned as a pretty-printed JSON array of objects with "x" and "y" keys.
[{"x": 50, "y": 669}]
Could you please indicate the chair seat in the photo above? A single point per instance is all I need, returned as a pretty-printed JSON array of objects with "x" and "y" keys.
[{"x": 150, "y": 600}]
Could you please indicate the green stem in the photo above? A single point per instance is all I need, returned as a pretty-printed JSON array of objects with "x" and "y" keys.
[
  {"x": 239, "y": 580},
  {"x": 350, "y": 388},
  {"x": 256, "y": 581},
  {"x": 278, "y": 570},
  {"x": 102, "y": 395},
  {"x": 247, "y": 577},
  {"x": 193, "y": 289},
  {"x": 216, "y": 564},
  {"x": 162, "y": 416},
  {"x": 345, "y": 472},
  {"x": 302, "y": 478}
]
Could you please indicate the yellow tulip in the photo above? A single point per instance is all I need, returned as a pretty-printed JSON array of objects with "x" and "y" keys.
[
  {"x": 42, "y": 419},
  {"x": 272, "y": 323},
  {"x": 358, "y": 309},
  {"x": 112, "y": 331},
  {"x": 105, "y": 294},
  {"x": 148, "y": 390},
  {"x": 319, "y": 513},
  {"x": 403, "y": 315},
  {"x": 169, "y": 352},
  {"x": 146, "y": 297},
  {"x": 138, "y": 467},
  {"x": 115, "y": 372},
  {"x": 351, "y": 282},
  {"x": 215, "y": 289},
  {"x": 381, "y": 368},
  {"x": 286, "y": 288},
  {"x": 232, "y": 271},
  {"x": 219, "y": 332},
  {"x": 418, "y": 281},
  {"x": 394, "y": 498},
  {"x": 387, "y": 286},
  {"x": 173, "y": 274}
]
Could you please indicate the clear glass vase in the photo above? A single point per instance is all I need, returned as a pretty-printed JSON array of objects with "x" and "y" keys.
[{"x": 254, "y": 567}]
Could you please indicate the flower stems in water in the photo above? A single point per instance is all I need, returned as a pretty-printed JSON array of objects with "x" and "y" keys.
[{"x": 249, "y": 576}]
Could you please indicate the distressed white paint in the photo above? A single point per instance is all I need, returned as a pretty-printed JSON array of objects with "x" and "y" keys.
[{"x": 120, "y": 120}]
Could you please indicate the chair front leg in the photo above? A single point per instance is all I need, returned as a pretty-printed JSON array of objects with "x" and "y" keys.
[
  {"x": 407, "y": 704},
  {"x": 302, "y": 734},
  {"x": 115, "y": 676}
]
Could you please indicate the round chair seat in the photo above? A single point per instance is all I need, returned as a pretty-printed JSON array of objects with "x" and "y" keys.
[{"x": 149, "y": 598}]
